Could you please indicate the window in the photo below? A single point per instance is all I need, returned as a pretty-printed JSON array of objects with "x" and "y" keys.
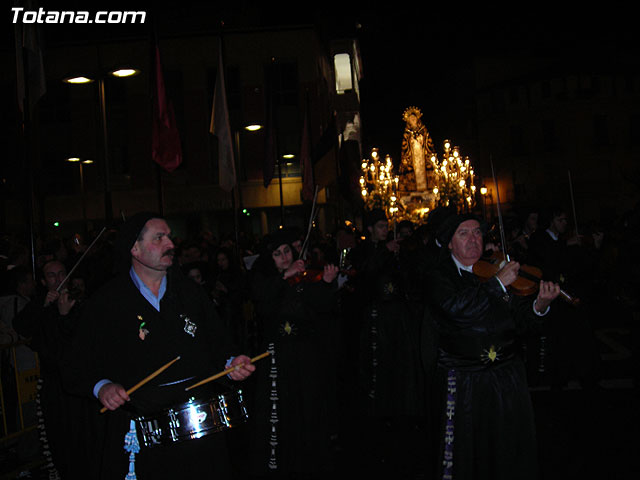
[{"x": 342, "y": 64}]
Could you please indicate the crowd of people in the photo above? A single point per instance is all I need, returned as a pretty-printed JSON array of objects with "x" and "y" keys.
[{"x": 386, "y": 346}]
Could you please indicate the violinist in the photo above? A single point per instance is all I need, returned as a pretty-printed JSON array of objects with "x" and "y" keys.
[
  {"x": 293, "y": 400},
  {"x": 50, "y": 321},
  {"x": 570, "y": 345},
  {"x": 486, "y": 427}
]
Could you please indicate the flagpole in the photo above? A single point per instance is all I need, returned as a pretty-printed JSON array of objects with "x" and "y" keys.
[
  {"x": 281, "y": 198},
  {"x": 27, "y": 152},
  {"x": 237, "y": 190},
  {"x": 160, "y": 190}
]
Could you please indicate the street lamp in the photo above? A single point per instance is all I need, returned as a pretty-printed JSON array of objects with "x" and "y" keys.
[
  {"x": 81, "y": 80},
  {"x": 81, "y": 163}
]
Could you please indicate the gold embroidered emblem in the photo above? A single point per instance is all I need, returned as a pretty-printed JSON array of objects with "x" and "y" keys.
[
  {"x": 288, "y": 328},
  {"x": 492, "y": 354}
]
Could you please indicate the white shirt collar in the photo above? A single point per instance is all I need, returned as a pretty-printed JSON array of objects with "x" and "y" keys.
[
  {"x": 468, "y": 268},
  {"x": 552, "y": 235}
]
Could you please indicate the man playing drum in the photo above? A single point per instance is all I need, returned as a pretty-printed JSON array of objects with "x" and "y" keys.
[{"x": 145, "y": 317}]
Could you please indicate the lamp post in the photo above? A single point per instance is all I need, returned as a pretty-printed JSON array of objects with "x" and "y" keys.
[
  {"x": 81, "y": 163},
  {"x": 102, "y": 103}
]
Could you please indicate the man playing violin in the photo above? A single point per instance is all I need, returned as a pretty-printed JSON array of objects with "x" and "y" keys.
[{"x": 486, "y": 427}]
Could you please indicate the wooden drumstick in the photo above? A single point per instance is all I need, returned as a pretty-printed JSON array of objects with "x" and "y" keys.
[
  {"x": 227, "y": 371},
  {"x": 146, "y": 379}
]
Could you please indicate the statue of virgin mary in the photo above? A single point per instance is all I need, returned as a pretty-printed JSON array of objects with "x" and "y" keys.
[{"x": 415, "y": 172}]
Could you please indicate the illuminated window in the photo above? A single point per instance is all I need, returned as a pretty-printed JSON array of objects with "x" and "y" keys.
[{"x": 342, "y": 63}]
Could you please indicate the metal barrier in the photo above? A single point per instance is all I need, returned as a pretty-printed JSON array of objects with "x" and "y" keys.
[{"x": 19, "y": 372}]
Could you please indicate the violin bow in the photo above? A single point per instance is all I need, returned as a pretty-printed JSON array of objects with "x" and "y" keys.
[
  {"x": 80, "y": 259},
  {"x": 303, "y": 250},
  {"x": 573, "y": 203},
  {"x": 502, "y": 236}
]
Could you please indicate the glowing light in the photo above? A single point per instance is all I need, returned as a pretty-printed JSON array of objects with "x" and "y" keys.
[
  {"x": 253, "y": 127},
  {"x": 378, "y": 183},
  {"x": 125, "y": 72},
  {"x": 78, "y": 80},
  {"x": 454, "y": 179}
]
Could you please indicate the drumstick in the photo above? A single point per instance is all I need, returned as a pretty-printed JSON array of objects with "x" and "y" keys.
[
  {"x": 225, "y": 372},
  {"x": 145, "y": 380}
]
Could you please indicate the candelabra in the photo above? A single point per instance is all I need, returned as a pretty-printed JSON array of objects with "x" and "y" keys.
[
  {"x": 378, "y": 184},
  {"x": 454, "y": 180}
]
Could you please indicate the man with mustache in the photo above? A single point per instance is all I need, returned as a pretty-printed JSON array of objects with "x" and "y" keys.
[
  {"x": 485, "y": 426},
  {"x": 146, "y": 316}
]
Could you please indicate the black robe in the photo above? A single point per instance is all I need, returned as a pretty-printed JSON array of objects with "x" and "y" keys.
[
  {"x": 109, "y": 346},
  {"x": 295, "y": 392},
  {"x": 390, "y": 377},
  {"x": 66, "y": 421},
  {"x": 481, "y": 378}
]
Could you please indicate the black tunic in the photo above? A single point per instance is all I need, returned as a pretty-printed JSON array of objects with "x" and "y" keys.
[
  {"x": 109, "y": 347},
  {"x": 295, "y": 392},
  {"x": 482, "y": 381},
  {"x": 66, "y": 418},
  {"x": 390, "y": 379}
]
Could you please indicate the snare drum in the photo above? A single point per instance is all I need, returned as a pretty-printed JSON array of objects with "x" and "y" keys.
[{"x": 192, "y": 419}]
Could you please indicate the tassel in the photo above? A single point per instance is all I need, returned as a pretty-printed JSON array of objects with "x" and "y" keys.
[{"x": 132, "y": 446}]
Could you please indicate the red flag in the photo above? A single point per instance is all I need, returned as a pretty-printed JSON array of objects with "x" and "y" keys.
[
  {"x": 166, "y": 149},
  {"x": 221, "y": 128},
  {"x": 305, "y": 161}
]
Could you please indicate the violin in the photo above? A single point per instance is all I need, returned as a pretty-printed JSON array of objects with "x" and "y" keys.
[
  {"x": 313, "y": 273},
  {"x": 528, "y": 280},
  {"x": 308, "y": 276}
]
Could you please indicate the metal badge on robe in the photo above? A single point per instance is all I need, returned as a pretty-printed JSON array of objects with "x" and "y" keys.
[{"x": 189, "y": 326}]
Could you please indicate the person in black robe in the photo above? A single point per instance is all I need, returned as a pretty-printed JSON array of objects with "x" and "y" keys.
[
  {"x": 294, "y": 405},
  {"x": 49, "y": 322},
  {"x": 145, "y": 317},
  {"x": 487, "y": 428},
  {"x": 568, "y": 339},
  {"x": 390, "y": 379}
]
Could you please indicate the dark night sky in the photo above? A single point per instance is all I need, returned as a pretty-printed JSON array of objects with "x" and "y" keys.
[{"x": 443, "y": 37}]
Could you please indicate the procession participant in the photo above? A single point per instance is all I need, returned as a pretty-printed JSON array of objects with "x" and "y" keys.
[
  {"x": 49, "y": 321},
  {"x": 487, "y": 427},
  {"x": 390, "y": 382},
  {"x": 295, "y": 396},
  {"x": 147, "y": 315},
  {"x": 571, "y": 349}
]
